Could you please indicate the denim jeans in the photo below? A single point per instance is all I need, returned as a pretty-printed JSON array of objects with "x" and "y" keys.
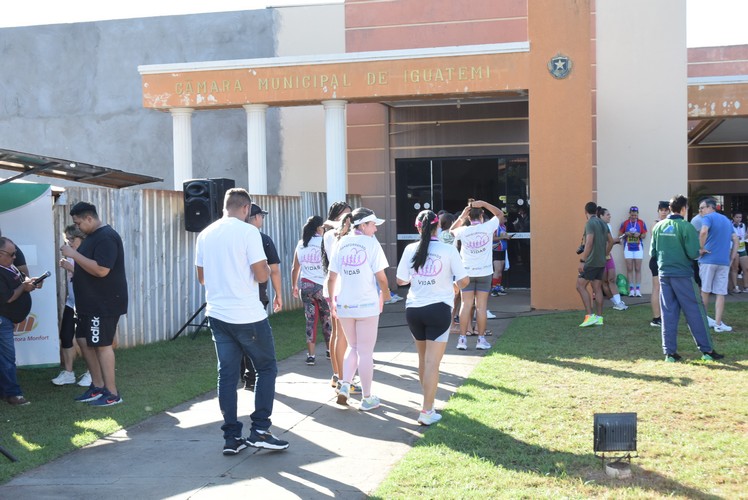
[
  {"x": 256, "y": 341},
  {"x": 681, "y": 293},
  {"x": 8, "y": 382}
]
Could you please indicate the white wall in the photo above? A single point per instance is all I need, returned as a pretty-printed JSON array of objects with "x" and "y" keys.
[
  {"x": 641, "y": 110},
  {"x": 318, "y": 29}
]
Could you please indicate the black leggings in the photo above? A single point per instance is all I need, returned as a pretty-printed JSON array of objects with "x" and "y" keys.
[{"x": 67, "y": 328}]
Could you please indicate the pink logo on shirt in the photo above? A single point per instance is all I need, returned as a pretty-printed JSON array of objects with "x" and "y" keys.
[
  {"x": 355, "y": 256},
  {"x": 432, "y": 267},
  {"x": 311, "y": 256},
  {"x": 476, "y": 241}
]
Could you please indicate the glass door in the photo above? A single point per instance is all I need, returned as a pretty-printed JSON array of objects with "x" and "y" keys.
[{"x": 447, "y": 183}]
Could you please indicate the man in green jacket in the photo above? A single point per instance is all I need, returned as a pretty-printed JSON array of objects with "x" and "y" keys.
[{"x": 675, "y": 244}]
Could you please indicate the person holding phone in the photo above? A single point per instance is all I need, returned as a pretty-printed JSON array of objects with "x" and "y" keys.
[
  {"x": 15, "y": 305},
  {"x": 100, "y": 287}
]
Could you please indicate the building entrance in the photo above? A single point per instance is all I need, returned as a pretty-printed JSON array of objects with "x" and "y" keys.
[{"x": 447, "y": 183}]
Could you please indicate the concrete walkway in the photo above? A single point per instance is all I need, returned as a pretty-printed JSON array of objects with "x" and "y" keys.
[{"x": 334, "y": 452}]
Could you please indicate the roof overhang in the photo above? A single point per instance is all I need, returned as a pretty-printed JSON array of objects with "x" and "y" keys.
[{"x": 28, "y": 164}]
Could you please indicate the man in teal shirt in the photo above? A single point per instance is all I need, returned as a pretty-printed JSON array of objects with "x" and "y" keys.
[{"x": 675, "y": 244}]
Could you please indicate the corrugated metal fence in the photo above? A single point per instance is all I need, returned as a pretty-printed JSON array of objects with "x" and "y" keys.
[{"x": 159, "y": 253}]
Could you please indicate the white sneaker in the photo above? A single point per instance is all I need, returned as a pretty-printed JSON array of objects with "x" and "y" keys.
[
  {"x": 462, "y": 343},
  {"x": 620, "y": 306},
  {"x": 490, "y": 315},
  {"x": 722, "y": 328},
  {"x": 638, "y": 293},
  {"x": 711, "y": 322},
  {"x": 85, "y": 380},
  {"x": 64, "y": 378},
  {"x": 428, "y": 417},
  {"x": 483, "y": 344},
  {"x": 631, "y": 293}
]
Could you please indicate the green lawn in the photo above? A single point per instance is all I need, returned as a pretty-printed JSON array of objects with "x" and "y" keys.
[
  {"x": 521, "y": 426},
  {"x": 151, "y": 379}
]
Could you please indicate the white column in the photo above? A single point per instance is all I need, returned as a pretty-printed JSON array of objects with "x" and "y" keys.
[
  {"x": 256, "y": 149},
  {"x": 335, "y": 147},
  {"x": 182, "y": 138}
]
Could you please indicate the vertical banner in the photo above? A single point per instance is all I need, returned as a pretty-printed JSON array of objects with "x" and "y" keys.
[{"x": 26, "y": 218}]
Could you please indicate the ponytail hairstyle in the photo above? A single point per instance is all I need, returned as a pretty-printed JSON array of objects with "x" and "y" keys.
[
  {"x": 427, "y": 222},
  {"x": 600, "y": 211},
  {"x": 310, "y": 229},
  {"x": 335, "y": 211}
]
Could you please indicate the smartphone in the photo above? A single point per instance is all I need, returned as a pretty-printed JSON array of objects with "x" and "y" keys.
[{"x": 41, "y": 278}]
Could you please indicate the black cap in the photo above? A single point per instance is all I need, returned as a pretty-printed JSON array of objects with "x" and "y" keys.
[
  {"x": 663, "y": 205},
  {"x": 255, "y": 209}
]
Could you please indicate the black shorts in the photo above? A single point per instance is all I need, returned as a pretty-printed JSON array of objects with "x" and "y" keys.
[
  {"x": 429, "y": 322},
  {"x": 500, "y": 255},
  {"x": 67, "y": 328},
  {"x": 653, "y": 266},
  {"x": 98, "y": 331},
  {"x": 592, "y": 273}
]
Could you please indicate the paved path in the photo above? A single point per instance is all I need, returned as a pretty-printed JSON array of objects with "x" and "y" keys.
[{"x": 334, "y": 452}]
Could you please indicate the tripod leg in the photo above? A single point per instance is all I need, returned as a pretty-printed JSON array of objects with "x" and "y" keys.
[
  {"x": 203, "y": 324},
  {"x": 189, "y": 321}
]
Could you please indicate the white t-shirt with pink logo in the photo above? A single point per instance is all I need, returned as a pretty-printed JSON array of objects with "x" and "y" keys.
[
  {"x": 356, "y": 259},
  {"x": 310, "y": 260},
  {"x": 432, "y": 283},
  {"x": 476, "y": 247}
]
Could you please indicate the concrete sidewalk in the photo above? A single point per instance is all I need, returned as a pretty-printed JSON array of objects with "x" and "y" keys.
[{"x": 334, "y": 451}]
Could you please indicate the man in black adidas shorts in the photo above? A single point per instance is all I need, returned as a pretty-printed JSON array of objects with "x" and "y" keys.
[
  {"x": 100, "y": 288},
  {"x": 597, "y": 245}
]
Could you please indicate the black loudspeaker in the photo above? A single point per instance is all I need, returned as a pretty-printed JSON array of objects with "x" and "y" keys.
[
  {"x": 199, "y": 204},
  {"x": 222, "y": 185}
]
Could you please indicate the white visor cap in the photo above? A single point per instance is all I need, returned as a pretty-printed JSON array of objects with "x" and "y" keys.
[{"x": 370, "y": 218}]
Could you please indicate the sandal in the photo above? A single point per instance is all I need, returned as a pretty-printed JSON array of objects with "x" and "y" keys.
[{"x": 488, "y": 332}]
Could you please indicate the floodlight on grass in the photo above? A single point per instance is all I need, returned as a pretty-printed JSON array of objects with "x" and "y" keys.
[{"x": 615, "y": 434}]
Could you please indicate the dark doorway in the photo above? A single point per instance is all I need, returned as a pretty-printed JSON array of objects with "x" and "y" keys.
[{"x": 447, "y": 183}]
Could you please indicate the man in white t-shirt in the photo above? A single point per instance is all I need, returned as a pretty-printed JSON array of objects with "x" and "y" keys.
[{"x": 230, "y": 263}]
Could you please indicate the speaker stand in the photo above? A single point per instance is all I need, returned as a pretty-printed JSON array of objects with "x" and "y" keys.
[{"x": 189, "y": 322}]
